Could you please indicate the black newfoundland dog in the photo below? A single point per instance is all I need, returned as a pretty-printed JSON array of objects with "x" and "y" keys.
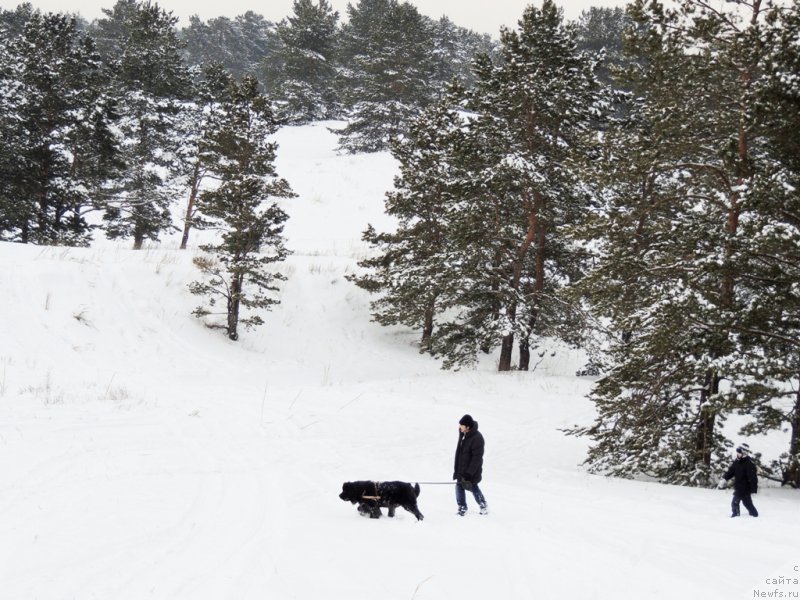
[{"x": 372, "y": 495}]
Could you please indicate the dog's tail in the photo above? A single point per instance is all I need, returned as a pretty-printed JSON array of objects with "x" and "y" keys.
[{"x": 416, "y": 489}]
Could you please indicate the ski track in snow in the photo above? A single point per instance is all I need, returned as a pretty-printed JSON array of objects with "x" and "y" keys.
[{"x": 145, "y": 456}]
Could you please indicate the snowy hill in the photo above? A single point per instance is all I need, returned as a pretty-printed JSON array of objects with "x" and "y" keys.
[{"x": 145, "y": 456}]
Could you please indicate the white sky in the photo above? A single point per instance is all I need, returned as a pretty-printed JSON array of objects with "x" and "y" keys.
[{"x": 481, "y": 15}]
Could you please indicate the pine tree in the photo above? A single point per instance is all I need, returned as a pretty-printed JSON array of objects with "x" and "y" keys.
[
  {"x": 140, "y": 42},
  {"x": 303, "y": 84},
  {"x": 520, "y": 187},
  {"x": 259, "y": 41},
  {"x": 13, "y": 22},
  {"x": 769, "y": 321},
  {"x": 14, "y": 208},
  {"x": 196, "y": 119},
  {"x": 237, "y": 152},
  {"x": 55, "y": 118},
  {"x": 601, "y": 30},
  {"x": 454, "y": 49},
  {"x": 407, "y": 270},
  {"x": 241, "y": 45},
  {"x": 682, "y": 175},
  {"x": 386, "y": 74}
]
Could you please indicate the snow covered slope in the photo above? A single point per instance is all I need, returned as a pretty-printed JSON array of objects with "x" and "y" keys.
[{"x": 145, "y": 456}]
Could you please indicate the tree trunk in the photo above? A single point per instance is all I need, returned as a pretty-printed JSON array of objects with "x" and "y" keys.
[
  {"x": 506, "y": 350},
  {"x": 138, "y": 233},
  {"x": 533, "y": 233},
  {"x": 524, "y": 354},
  {"x": 427, "y": 328},
  {"x": 187, "y": 222},
  {"x": 704, "y": 441},
  {"x": 538, "y": 288},
  {"x": 233, "y": 307},
  {"x": 486, "y": 347},
  {"x": 791, "y": 476},
  {"x": 525, "y": 345}
]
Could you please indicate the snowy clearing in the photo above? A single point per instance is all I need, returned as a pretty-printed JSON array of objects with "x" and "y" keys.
[{"x": 145, "y": 456}]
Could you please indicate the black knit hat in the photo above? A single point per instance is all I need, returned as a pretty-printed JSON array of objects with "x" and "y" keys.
[
  {"x": 467, "y": 421},
  {"x": 743, "y": 449}
]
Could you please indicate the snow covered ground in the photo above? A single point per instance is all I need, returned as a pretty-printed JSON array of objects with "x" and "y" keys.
[{"x": 145, "y": 456}]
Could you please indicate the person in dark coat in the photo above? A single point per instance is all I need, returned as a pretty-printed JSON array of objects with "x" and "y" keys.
[
  {"x": 745, "y": 481},
  {"x": 468, "y": 470}
]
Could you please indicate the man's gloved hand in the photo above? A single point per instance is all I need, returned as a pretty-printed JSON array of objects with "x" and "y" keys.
[
  {"x": 466, "y": 484},
  {"x": 722, "y": 484}
]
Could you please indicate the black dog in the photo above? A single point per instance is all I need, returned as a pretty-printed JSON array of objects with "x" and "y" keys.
[{"x": 372, "y": 495}]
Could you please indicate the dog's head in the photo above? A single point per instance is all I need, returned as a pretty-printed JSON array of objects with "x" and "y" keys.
[{"x": 352, "y": 491}]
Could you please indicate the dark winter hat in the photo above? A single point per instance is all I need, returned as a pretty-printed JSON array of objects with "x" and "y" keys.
[
  {"x": 743, "y": 449},
  {"x": 467, "y": 421}
]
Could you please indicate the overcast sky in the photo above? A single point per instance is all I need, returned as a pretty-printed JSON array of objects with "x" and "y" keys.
[{"x": 481, "y": 15}]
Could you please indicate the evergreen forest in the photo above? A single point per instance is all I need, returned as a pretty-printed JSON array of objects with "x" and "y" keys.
[{"x": 626, "y": 183}]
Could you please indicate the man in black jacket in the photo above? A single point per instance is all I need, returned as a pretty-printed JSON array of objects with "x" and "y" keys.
[
  {"x": 745, "y": 481},
  {"x": 468, "y": 469}
]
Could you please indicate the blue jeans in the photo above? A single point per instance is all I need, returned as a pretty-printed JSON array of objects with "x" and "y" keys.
[
  {"x": 461, "y": 496},
  {"x": 744, "y": 499}
]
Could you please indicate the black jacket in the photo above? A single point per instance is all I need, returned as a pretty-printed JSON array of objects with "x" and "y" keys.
[
  {"x": 743, "y": 471},
  {"x": 469, "y": 456}
]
